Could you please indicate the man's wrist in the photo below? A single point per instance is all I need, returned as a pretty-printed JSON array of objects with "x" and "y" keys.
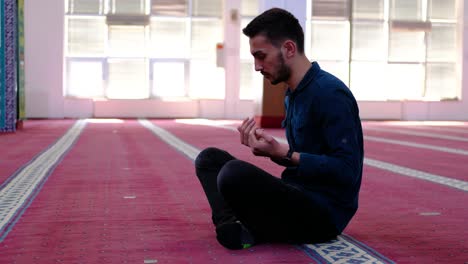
[
  {"x": 286, "y": 158},
  {"x": 289, "y": 154}
]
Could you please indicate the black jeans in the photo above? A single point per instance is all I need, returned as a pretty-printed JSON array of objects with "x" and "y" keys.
[{"x": 272, "y": 210}]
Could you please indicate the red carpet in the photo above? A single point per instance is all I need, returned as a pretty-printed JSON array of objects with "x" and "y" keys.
[
  {"x": 121, "y": 195},
  {"x": 405, "y": 219},
  {"x": 421, "y": 140},
  {"x": 445, "y": 164},
  {"x": 20, "y": 147}
]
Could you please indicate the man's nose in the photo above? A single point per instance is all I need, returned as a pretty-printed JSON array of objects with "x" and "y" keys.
[{"x": 258, "y": 66}]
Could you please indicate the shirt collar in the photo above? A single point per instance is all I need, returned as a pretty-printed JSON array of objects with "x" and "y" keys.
[{"x": 308, "y": 77}]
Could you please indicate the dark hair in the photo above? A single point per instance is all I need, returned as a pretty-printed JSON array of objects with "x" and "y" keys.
[{"x": 277, "y": 25}]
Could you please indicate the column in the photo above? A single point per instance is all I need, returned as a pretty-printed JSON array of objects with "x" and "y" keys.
[{"x": 7, "y": 65}]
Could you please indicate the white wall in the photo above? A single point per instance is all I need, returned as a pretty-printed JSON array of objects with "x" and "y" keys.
[{"x": 44, "y": 63}]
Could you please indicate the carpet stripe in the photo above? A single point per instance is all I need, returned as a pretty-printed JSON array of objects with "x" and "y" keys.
[
  {"x": 417, "y": 145},
  {"x": 458, "y": 184},
  {"x": 416, "y": 133},
  {"x": 341, "y": 250},
  {"x": 454, "y": 183},
  {"x": 22, "y": 187},
  {"x": 442, "y": 129},
  {"x": 188, "y": 150}
]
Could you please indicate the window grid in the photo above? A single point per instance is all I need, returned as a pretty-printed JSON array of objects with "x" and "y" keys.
[
  {"x": 249, "y": 78},
  {"x": 440, "y": 29},
  {"x": 106, "y": 7}
]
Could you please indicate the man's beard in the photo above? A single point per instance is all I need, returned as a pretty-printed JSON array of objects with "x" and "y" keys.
[{"x": 283, "y": 73}]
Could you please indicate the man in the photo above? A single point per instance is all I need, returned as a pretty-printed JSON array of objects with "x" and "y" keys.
[{"x": 317, "y": 194}]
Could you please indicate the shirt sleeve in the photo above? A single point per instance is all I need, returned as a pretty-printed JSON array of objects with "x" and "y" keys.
[{"x": 341, "y": 163}]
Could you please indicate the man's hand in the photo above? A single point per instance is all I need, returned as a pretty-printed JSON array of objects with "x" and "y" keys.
[
  {"x": 260, "y": 142},
  {"x": 264, "y": 144},
  {"x": 245, "y": 129}
]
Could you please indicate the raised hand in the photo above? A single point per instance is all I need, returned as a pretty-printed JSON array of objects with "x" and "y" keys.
[
  {"x": 264, "y": 144},
  {"x": 245, "y": 129}
]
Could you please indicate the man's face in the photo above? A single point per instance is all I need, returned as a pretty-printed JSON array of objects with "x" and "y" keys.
[{"x": 269, "y": 60}]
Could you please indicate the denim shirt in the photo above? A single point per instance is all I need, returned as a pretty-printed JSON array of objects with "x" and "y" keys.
[{"x": 322, "y": 123}]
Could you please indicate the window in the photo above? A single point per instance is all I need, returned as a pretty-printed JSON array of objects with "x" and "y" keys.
[
  {"x": 369, "y": 41},
  {"x": 128, "y": 79},
  {"x": 85, "y": 78},
  {"x": 171, "y": 54},
  {"x": 251, "y": 82},
  {"x": 388, "y": 49},
  {"x": 408, "y": 10},
  {"x": 368, "y": 9},
  {"x": 169, "y": 38},
  {"x": 127, "y": 41},
  {"x": 85, "y": 7},
  {"x": 442, "y": 10},
  {"x": 330, "y": 9},
  {"x": 208, "y": 80},
  {"x": 207, "y": 8},
  {"x": 205, "y": 34},
  {"x": 128, "y": 7},
  {"x": 83, "y": 42},
  {"x": 172, "y": 8},
  {"x": 442, "y": 82},
  {"x": 168, "y": 79},
  {"x": 368, "y": 80},
  {"x": 442, "y": 43},
  {"x": 249, "y": 8},
  {"x": 330, "y": 40},
  {"x": 407, "y": 46}
]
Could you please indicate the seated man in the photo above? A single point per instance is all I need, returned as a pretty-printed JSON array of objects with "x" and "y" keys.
[{"x": 317, "y": 194}]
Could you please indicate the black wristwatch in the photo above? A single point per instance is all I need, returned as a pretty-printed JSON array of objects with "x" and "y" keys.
[{"x": 285, "y": 160}]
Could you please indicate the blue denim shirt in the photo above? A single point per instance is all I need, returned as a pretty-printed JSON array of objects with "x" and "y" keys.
[{"x": 322, "y": 123}]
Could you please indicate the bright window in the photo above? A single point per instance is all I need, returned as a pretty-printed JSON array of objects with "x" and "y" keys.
[
  {"x": 85, "y": 78},
  {"x": 140, "y": 56},
  {"x": 128, "y": 79},
  {"x": 205, "y": 35},
  {"x": 251, "y": 82},
  {"x": 330, "y": 40},
  {"x": 171, "y": 8},
  {"x": 127, "y": 41},
  {"x": 168, "y": 79},
  {"x": 83, "y": 42},
  {"x": 207, "y": 79},
  {"x": 169, "y": 38},
  {"x": 369, "y": 41},
  {"x": 388, "y": 49}
]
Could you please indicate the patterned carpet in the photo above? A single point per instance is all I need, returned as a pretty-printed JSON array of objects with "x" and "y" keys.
[{"x": 124, "y": 191}]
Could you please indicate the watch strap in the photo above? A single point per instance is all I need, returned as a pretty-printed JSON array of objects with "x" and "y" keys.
[{"x": 289, "y": 154}]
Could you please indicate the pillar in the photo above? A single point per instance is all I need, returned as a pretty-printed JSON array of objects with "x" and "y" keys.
[{"x": 8, "y": 65}]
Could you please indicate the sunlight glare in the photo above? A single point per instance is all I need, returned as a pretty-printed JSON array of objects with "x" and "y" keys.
[{"x": 104, "y": 121}]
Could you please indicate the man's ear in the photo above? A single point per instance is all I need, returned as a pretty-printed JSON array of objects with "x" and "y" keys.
[{"x": 290, "y": 48}]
